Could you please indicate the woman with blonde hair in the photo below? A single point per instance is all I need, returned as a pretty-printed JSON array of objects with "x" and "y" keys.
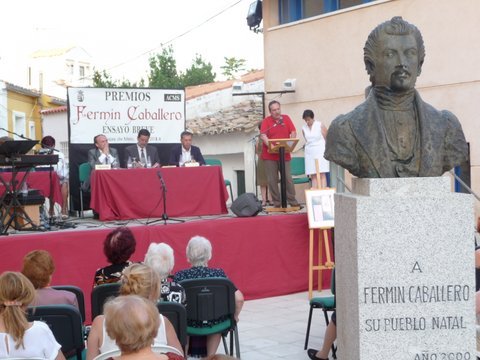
[
  {"x": 18, "y": 337},
  {"x": 141, "y": 280}
]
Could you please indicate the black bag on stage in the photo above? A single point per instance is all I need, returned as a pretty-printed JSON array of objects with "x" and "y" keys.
[{"x": 246, "y": 205}]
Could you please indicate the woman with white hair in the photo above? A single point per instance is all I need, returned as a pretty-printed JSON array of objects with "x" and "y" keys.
[
  {"x": 199, "y": 253},
  {"x": 140, "y": 317},
  {"x": 160, "y": 258}
]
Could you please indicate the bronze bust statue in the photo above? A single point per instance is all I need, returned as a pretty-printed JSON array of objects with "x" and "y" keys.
[{"x": 394, "y": 133}]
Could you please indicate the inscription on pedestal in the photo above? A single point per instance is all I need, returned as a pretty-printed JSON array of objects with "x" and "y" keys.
[{"x": 405, "y": 272}]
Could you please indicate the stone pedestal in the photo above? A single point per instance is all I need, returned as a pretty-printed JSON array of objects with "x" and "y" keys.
[{"x": 405, "y": 286}]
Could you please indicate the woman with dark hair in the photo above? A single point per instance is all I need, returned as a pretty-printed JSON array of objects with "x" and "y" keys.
[
  {"x": 48, "y": 146},
  {"x": 315, "y": 134},
  {"x": 118, "y": 246}
]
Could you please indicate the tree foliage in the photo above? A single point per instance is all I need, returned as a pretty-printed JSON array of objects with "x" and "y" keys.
[
  {"x": 232, "y": 67},
  {"x": 198, "y": 73},
  {"x": 163, "y": 73},
  {"x": 103, "y": 79}
]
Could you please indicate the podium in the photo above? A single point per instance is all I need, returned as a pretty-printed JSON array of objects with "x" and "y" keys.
[{"x": 282, "y": 146}]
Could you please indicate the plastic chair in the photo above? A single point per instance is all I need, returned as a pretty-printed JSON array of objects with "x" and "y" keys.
[
  {"x": 177, "y": 314},
  {"x": 210, "y": 299},
  {"x": 100, "y": 294},
  {"x": 84, "y": 170},
  {"x": 65, "y": 322},
  {"x": 216, "y": 162},
  {"x": 327, "y": 304},
  {"x": 297, "y": 170},
  {"x": 158, "y": 349},
  {"x": 78, "y": 293}
]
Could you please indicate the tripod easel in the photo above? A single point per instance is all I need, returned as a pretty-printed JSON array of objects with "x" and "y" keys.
[{"x": 323, "y": 242}]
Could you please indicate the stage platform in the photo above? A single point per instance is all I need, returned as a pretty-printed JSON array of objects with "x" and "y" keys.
[{"x": 265, "y": 255}]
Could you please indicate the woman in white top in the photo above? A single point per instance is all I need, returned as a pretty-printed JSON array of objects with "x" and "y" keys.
[
  {"x": 141, "y": 280},
  {"x": 18, "y": 337},
  {"x": 315, "y": 133}
]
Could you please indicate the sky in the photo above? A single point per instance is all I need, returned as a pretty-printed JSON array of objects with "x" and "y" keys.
[{"x": 121, "y": 35}]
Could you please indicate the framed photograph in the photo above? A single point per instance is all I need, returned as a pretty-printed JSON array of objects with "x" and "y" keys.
[{"x": 320, "y": 208}]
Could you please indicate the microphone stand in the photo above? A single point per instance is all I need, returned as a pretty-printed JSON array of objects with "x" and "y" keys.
[
  {"x": 164, "y": 192},
  {"x": 14, "y": 133}
]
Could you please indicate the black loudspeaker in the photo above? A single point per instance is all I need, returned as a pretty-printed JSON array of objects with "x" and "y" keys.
[{"x": 246, "y": 205}]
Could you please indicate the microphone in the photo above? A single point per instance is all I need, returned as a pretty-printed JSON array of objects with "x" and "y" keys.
[
  {"x": 159, "y": 174},
  {"x": 280, "y": 122}
]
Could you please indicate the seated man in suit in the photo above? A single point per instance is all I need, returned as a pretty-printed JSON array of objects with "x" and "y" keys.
[
  {"x": 103, "y": 153},
  {"x": 140, "y": 152},
  {"x": 185, "y": 152}
]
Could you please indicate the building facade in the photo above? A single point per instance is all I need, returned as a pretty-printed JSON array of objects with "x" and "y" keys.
[
  {"x": 321, "y": 47},
  {"x": 20, "y": 111}
]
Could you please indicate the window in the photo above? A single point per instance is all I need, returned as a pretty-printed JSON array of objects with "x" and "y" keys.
[
  {"x": 293, "y": 10},
  {"x": 31, "y": 126},
  {"x": 82, "y": 71},
  {"x": 19, "y": 124},
  {"x": 69, "y": 68}
]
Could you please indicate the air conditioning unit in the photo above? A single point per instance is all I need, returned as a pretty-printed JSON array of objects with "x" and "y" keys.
[
  {"x": 237, "y": 86},
  {"x": 289, "y": 84}
]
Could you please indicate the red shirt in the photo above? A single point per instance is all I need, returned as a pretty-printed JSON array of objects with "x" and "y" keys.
[{"x": 275, "y": 130}]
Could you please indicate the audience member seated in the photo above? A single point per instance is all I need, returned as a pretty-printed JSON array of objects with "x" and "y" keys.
[
  {"x": 185, "y": 152},
  {"x": 141, "y": 280},
  {"x": 18, "y": 337},
  {"x": 61, "y": 168},
  {"x": 118, "y": 246},
  {"x": 199, "y": 252},
  {"x": 140, "y": 317},
  {"x": 160, "y": 258},
  {"x": 103, "y": 153},
  {"x": 139, "y": 153},
  {"x": 328, "y": 340},
  {"x": 38, "y": 267}
]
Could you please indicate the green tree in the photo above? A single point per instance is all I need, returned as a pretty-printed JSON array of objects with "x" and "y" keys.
[
  {"x": 198, "y": 73},
  {"x": 163, "y": 71},
  {"x": 232, "y": 67},
  {"x": 104, "y": 79}
]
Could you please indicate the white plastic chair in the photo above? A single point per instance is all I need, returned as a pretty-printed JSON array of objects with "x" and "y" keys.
[{"x": 159, "y": 349}]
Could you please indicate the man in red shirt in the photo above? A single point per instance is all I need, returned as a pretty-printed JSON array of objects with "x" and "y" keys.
[{"x": 277, "y": 126}]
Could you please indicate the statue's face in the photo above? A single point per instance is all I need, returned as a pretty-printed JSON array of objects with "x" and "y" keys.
[{"x": 396, "y": 64}]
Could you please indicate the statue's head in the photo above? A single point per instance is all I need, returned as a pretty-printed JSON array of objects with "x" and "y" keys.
[{"x": 394, "y": 54}]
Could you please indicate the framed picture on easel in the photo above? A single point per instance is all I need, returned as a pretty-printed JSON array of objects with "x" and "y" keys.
[{"x": 320, "y": 208}]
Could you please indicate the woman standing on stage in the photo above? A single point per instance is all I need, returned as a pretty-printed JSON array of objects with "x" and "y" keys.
[{"x": 315, "y": 133}]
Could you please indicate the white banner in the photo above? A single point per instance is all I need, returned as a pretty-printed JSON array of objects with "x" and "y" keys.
[{"x": 120, "y": 113}]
